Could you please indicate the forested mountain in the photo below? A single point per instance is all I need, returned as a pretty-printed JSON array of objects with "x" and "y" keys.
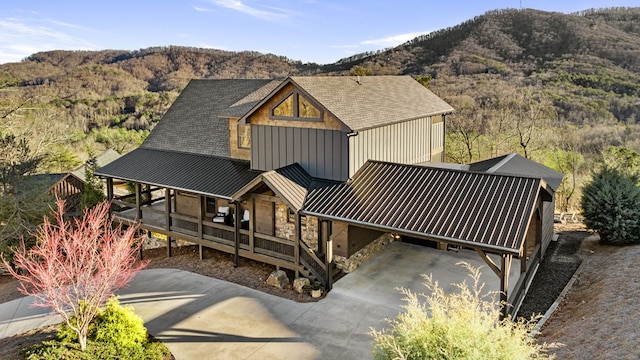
[{"x": 559, "y": 88}]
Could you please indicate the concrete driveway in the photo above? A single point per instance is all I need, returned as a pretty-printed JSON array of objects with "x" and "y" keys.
[{"x": 200, "y": 317}]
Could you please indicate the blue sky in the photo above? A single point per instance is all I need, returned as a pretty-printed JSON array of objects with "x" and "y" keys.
[{"x": 320, "y": 31}]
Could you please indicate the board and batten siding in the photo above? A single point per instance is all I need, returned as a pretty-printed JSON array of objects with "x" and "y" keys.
[
  {"x": 322, "y": 153},
  {"x": 408, "y": 142}
]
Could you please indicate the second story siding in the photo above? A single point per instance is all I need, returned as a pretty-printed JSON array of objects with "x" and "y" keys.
[{"x": 322, "y": 153}]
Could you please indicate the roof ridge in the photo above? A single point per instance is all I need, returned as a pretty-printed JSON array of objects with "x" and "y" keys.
[{"x": 500, "y": 163}]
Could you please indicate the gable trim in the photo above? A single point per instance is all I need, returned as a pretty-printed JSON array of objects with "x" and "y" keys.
[{"x": 287, "y": 81}]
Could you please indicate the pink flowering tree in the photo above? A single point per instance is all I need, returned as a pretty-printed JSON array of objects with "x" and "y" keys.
[{"x": 76, "y": 265}]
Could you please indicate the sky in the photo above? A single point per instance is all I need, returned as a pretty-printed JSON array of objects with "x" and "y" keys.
[{"x": 320, "y": 31}]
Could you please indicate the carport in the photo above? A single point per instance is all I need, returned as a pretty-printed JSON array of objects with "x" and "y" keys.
[{"x": 490, "y": 213}]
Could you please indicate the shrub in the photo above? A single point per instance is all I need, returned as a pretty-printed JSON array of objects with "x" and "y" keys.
[
  {"x": 462, "y": 325},
  {"x": 115, "y": 333},
  {"x": 115, "y": 324},
  {"x": 611, "y": 206},
  {"x": 119, "y": 325}
]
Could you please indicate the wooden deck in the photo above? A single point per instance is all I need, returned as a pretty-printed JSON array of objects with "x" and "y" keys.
[{"x": 269, "y": 249}]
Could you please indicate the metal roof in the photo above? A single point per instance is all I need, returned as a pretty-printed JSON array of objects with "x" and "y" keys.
[
  {"x": 203, "y": 174},
  {"x": 514, "y": 164},
  {"x": 470, "y": 208},
  {"x": 290, "y": 183},
  {"x": 193, "y": 124}
]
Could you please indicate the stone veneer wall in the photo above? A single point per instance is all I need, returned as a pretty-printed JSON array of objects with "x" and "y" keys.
[
  {"x": 287, "y": 230},
  {"x": 349, "y": 264}
]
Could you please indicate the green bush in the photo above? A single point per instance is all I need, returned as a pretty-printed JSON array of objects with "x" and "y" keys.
[
  {"x": 115, "y": 333},
  {"x": 120, "y": 326},
  {"x": 462, "y": 325},
  {"x": 611, "y": 206},
  {"x": 55, "y": 350}
]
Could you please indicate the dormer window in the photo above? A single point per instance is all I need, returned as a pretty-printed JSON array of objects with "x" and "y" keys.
[{"x": 296, "y": 107}]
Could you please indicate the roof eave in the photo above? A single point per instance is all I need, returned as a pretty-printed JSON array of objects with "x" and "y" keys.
[
  {"x": 443, "y": 112},
  {"x": 462, "y": 242}
]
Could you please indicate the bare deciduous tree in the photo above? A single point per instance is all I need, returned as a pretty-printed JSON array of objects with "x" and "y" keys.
[{"x": 76, "y": 266}]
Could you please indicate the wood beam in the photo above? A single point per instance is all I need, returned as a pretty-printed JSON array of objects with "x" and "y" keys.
[{"x": 489, "y": 262}]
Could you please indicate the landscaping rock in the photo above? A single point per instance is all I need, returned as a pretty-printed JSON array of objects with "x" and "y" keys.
[
  {"x": 278, "y": 279},
  {"x": 300, "y": 283}
]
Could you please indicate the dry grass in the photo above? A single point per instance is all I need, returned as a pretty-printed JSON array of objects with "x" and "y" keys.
[{"x": 599, "y": 318}]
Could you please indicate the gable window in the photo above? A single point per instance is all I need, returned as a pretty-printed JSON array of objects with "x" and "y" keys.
[
  {"x": 296, "y": 106},
  {"x": 244, "y": 136}
]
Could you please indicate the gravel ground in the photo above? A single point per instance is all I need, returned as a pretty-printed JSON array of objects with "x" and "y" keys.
[
  {"x": 561, "y": 261},
  {"x": 599, "y": 317}
]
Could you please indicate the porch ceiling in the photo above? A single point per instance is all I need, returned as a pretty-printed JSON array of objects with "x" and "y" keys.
[{"x": 202, "y": 174}]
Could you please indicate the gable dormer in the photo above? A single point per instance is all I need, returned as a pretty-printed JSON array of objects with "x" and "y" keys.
[{"x": 290, "y": 126}]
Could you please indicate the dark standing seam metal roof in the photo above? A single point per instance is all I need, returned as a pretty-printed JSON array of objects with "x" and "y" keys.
[
  {"x": 290, "y": 183},
  {"x": 514, "y": 164},
  {"x": 203, "y": 174},
  {"x": 193, "y": 124},
  {"x": 483, "y": 210}
]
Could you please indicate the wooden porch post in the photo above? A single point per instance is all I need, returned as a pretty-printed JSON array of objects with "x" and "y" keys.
[
  {"x": 236, "y": 223},
  {"x": 328, "y": 250},
  {"x": 167, "y": 218},
  {"x": 297, "y": 239},
  {"x": 148, "y": 193},
  {"x": 138, "y": 203},
  {"x": 252, "y": 222},
  {"x": 109, "y": 189},
  {"x": 200, "y": 216},
  {"x": 110, "y": 193}
]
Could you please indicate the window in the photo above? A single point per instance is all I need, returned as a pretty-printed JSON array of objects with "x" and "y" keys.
[
  {"x": 285, "y": 108},
  {"x": 244, "y": 136},
  {"x": 210, "y": 205},
  {"x": 296, "y": 106}
]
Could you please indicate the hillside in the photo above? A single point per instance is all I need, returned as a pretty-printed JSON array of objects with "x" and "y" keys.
[{"x": 558, "y": 88}]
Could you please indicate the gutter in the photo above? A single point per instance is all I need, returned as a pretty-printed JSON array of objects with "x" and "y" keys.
[{"x": 466, "y": 243}]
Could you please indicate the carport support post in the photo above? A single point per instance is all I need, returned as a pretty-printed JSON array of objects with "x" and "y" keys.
[
  {"x": 503, "y": 274},
  {"x": 505, "y": 269}
]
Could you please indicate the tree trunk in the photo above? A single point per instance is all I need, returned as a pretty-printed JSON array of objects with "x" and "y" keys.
[{"x": 82, "y": 340}]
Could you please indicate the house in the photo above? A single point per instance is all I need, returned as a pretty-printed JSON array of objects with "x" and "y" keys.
[
  {"x": 64, "y": 186},
  {"x": 300, "y": 172}
]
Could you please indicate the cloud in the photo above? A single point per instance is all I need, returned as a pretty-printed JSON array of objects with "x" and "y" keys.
[
  {"x": 21, "y": 37},
  {"x": 393, "y": 40},
  {"x": 266, "y": 13},
  {"x": 201, "y": 9}
]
